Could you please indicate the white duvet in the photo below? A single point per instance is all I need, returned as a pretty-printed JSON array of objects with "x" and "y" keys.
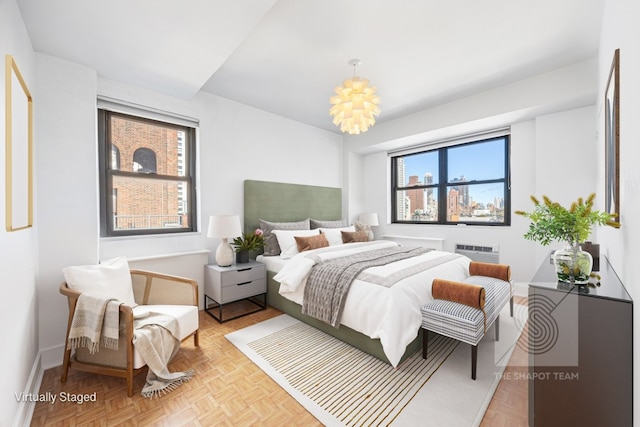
[{"x": 391, "y": 314}]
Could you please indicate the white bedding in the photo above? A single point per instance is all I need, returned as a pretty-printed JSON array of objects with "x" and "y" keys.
[
  {"x": 273, "y": 263},
  {"x": 391, "y": 314}
]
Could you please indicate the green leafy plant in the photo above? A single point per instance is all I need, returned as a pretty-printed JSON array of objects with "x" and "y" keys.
[
  {"x": 550, "y": 221},
  {"x": 249, "y": 241}
]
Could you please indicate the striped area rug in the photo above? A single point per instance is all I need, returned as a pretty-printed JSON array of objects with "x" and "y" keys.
[
  {"x": 342, "y": 386},
  {"x": 356, "y": 388}
]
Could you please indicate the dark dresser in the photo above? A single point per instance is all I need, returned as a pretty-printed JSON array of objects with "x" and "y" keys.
[{"x": 580, "y": 351}]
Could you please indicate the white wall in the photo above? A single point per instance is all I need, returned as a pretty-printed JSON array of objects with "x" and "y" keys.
[
  {"x": 540, "y": 145},
  {"x": 620, "y": 30},
  {"x": 239, "y": 142},
  {"x": 236, "y": 142},
  {"x": 562, "y": 140},
  {"x": 354, "y": 189},
  {"x": 18, "y": 250},
  {"x": 567, "y": 88},
  {"x": 67, "y": 201},
  {"x": 541, "y": 156}
]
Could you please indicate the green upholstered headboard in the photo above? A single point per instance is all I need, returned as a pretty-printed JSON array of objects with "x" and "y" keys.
[{"x": 281, "y": 202}]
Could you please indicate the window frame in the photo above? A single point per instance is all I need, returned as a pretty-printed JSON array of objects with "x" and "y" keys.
[
  {"x": 443, "y": 183},
  {"x": 107, "y": 174}
]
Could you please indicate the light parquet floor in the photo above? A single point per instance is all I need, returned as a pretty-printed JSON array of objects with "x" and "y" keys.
[
  {"x": 509, "y": 406},
  {"x": 226, "y": 390}
]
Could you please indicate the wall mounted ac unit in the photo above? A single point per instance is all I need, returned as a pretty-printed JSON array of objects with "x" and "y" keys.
[{"x": 479, "y": 253}]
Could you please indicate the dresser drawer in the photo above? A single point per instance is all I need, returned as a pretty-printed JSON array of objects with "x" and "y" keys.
[
  {"x": 242, "y": 275},
  {"x": 244, "y": 290}
]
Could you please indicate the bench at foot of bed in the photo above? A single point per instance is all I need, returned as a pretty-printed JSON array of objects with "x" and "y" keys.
[{"x": 466, "y": 310}]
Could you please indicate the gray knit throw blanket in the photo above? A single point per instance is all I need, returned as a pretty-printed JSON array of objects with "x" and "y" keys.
[
  {"x": 328, "y": 283},
  {"x": 154, "y": 337},
  {"x": 95, "y": 322}
]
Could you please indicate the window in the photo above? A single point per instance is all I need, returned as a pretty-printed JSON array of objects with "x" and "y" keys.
[
  {"x": 457, "y": 184},
  {"x": 144, "y": 161},
  {"x": 147, "y": 175}
]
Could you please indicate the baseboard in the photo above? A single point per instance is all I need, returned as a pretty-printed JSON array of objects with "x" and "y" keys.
[
  {"x": 46, "y": 359},
  {"x": 51, "y": 357},
  {"x": 25, "y": 409}
]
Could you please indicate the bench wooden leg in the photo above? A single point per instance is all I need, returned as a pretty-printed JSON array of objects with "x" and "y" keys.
[
  {"x": 425, "y": 342},
  {"x": 497, "y": 323},
  {"x": 474, "y": 361},
  {"x": 511, "y": 306}
]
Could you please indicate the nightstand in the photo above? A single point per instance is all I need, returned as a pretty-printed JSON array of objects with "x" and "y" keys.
[{"x": 224, "y": 286}]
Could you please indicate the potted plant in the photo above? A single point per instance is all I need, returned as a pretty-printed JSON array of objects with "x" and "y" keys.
[
  {"x": 246, "y": 243},
  {"x": 551, "y": 221}
]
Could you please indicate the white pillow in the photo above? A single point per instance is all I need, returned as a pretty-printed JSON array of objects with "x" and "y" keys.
[
  {"x": 287, "y": 241},
  {"x": 334, "y": 235},
  {"x": 110, "y": 279}
]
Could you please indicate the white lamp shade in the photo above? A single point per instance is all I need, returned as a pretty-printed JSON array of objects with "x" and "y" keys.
[
  {"x": 370, "y": 219},
  {"x": 224, "y": 226}
]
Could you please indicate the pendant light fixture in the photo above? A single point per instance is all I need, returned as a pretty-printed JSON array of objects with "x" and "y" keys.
[{"x": 355, "y": 104}]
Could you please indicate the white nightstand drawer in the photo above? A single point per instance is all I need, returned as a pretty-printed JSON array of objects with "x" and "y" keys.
[
  {"x": 223, "y": 285},
  {"x": 241, "y": 275},
  {"x": 244, "y": 290}
]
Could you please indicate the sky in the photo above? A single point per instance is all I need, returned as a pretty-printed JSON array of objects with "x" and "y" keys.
[{"x": 473, "y": 161}]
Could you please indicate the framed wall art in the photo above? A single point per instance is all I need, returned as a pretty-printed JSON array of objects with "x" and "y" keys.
[
  {"x": 18, "y": 149},
  {"x": 612, "y": 137}
]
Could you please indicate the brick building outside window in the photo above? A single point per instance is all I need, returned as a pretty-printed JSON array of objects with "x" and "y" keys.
[{"x": 147, "y": 176}]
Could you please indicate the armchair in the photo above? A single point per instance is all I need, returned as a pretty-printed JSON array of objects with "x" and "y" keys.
[{"x": 154, "y": 292}]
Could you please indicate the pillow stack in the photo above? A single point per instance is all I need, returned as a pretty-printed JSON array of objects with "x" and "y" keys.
[
  {"x": 271, "y": 246},
  {"x": 286, "y": 239}
]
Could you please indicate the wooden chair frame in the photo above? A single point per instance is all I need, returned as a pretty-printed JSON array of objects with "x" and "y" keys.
[{"x": 183, "y": 292}]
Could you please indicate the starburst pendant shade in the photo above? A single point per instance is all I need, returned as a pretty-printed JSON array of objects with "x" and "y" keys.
[{"x": 355, "y": 106}]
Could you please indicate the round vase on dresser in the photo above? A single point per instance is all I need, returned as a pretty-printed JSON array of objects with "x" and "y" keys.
[{"x": 573, "y": 265}]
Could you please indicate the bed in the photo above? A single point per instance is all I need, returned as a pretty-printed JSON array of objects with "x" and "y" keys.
[{"x": 388, "y": 332}]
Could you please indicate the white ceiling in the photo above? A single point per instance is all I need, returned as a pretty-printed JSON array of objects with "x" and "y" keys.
[{"x": 286, "y": 56}]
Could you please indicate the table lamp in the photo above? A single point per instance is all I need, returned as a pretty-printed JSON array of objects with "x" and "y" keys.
[
  {"x": 224, "y": 227},
  {"x": 370, "y": 220}
]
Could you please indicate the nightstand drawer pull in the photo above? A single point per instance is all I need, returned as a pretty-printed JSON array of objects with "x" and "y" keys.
[
  {"x": 232, "y": 277},
  {"x": 245, "y": 283}
]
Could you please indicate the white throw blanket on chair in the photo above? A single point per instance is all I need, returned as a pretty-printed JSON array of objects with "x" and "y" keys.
[
  {"x": 95, "y": 322},
  {"x": 155, "y": 338}
]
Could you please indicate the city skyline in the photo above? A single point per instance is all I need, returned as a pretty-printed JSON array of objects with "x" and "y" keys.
[{"x": 471, "y": 161}]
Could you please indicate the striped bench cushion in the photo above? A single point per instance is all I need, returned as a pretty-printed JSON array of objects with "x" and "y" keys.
[{"x": 466, "y": 323}]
